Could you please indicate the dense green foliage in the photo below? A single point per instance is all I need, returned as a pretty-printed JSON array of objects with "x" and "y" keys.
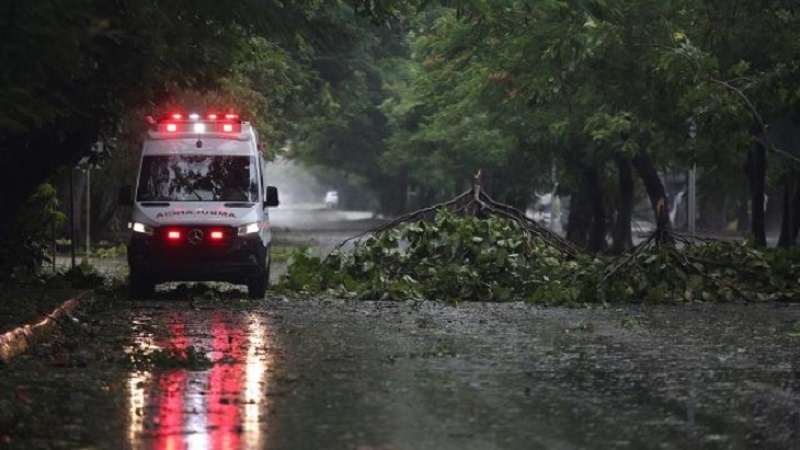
[
  {"x": 456, "y": 258},
  {"x": 32, "y": 232},
  {"x": 74, "y": 74},
  {"x": 409, "y": 99},
  {"x": 536, "y": 93}
]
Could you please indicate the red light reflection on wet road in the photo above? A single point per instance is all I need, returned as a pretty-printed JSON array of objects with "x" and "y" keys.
[{"x": 222, "y": 407}]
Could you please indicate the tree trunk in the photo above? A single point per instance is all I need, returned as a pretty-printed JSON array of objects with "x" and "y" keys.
[
  {"x": 427, "y": 197},
  {"x": 459, "y": 186},
  {"x": 622, "y": 239},
  {"x": 742, "y": 216},
  {"x": 579, "y": 217},
  {"x": 658, "y": 197},
  {"x": 791, "y": 204},
  {"x": 796, "y": 211},
  {"x": 400, "y": 194},
  {"x": 594, "y": 191},
  {"x": 78, "y": 196},
  {"x": 756, "y": 168}
]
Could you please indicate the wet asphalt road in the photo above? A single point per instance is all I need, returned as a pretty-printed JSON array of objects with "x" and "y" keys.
[
  {"x": 355, "y": 375},
  {"x": 327, "y": 373}
]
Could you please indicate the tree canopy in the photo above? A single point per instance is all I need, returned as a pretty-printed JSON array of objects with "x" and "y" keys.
[
  {"x": 410, "y": 99},
  {"x": 71, "y": 73},
  {"x": 580, "y": 93}
]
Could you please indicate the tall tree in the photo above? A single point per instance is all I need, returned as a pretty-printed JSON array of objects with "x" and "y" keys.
[{"x": 69, "y": 71}]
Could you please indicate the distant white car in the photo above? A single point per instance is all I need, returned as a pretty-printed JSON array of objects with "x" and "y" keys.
[{"x": 332, "y": 200}]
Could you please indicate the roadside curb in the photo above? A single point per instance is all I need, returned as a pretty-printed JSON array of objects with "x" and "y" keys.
[{"x": 19, "y": 340}]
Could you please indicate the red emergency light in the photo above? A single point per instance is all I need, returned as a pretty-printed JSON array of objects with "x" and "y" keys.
[
  {"x": 195, "y": 123},
  {"x": 173, "y": 235},
  {"x": 217, "y": 235}
]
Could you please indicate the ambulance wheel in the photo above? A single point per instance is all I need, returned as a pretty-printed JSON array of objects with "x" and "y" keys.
[
  {"x": 140, "y": 286},
  {"x": 257, "y": 286}
]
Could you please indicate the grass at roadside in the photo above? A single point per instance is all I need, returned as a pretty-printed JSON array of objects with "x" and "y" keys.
[{"x": 28, "y": 301}]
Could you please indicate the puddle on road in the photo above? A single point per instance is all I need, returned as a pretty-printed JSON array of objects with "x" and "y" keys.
[{"x": 222, "y": 407}]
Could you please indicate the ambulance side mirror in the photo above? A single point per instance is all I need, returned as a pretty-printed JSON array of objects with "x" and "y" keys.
[
  {"x": 125, "y": 195},
  {"x": 272, "y": 197}
]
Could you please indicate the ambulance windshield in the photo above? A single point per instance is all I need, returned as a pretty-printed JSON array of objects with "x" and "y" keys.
[{"x": 181, "y": 177}]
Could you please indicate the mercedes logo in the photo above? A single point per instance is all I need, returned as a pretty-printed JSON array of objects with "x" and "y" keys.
[{"x": 195, "y": 236}]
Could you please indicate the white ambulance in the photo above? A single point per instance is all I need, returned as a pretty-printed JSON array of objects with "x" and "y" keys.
[{"x": 200, "y": 205}]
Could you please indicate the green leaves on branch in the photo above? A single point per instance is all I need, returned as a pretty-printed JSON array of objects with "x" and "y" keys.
[
  {"x": 450, "y": 258},
  {"x": 27, "y": 243},
  {"x": 456, "y": 258}
]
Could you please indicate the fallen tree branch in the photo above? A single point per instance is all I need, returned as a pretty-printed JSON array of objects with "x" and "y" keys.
[{"x": 476, "y": 201}]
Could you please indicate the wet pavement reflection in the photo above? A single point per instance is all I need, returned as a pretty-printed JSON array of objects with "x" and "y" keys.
[
  {"x": 336, "y": 374},
  {"x": 223, "y": 407}
]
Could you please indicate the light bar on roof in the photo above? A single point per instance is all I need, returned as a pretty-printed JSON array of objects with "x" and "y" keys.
[{"x": 195, "y": 123}]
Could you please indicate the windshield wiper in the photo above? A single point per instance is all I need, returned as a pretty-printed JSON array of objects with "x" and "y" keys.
[
  {"x": 155, "y": 203},
  {"x": 238, "y": 205}
]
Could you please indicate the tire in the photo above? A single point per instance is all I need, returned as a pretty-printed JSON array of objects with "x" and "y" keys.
[
  {"x": 140, "y": 286},
  {"x": 257, "y": 286}
]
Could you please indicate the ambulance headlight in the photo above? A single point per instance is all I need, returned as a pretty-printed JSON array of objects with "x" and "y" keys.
[
  {"x": 250, "y": 228},
  {"x": 141, "y": 228}
]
